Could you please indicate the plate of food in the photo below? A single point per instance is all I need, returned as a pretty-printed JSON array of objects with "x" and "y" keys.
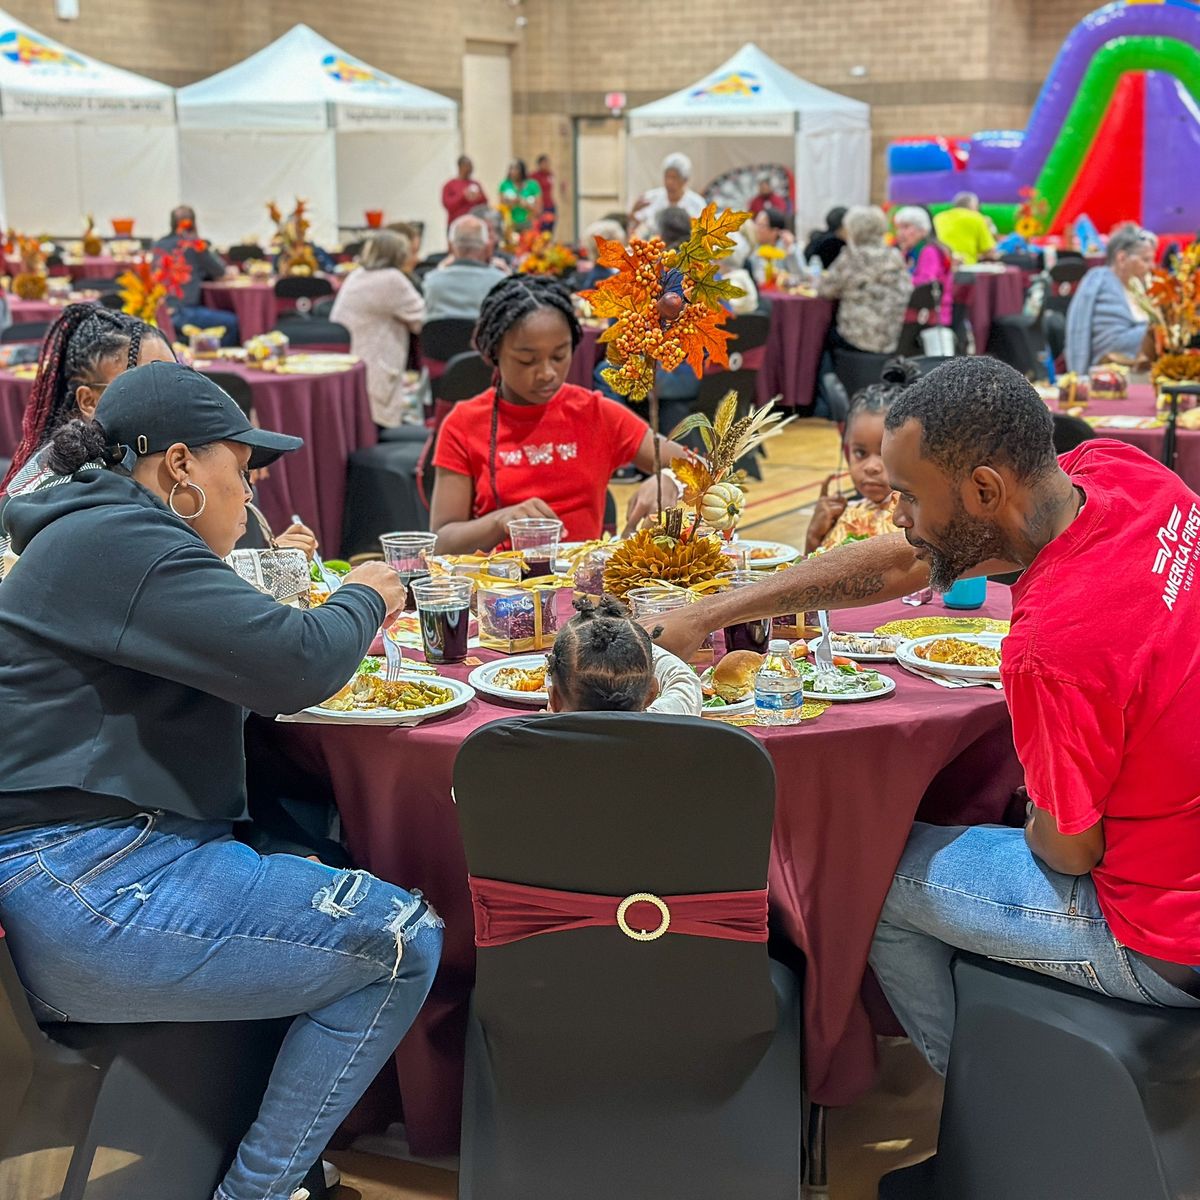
[
  {"x": 957, "y": 656},
  {"x": 729, "y": 685},
  {"x": 370, "y": 698},
  {"x": 767, "y": 554},
  {"x": 519, "y": 680},
  {"x": 849, "y": 682},
  {"x": 863, "y": 647}
]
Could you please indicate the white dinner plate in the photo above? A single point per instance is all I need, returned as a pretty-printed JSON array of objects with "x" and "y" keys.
[
  {"x": 905, "y": 654},
  {"x": 782, "y": 553},
  {"x": 483, "y": 680},
  {"x": 856, "y": 657},
  {"x": 462, "y": 694},
  {"x": 889, "y": 686},
  {"x": 745, "y": 705}
]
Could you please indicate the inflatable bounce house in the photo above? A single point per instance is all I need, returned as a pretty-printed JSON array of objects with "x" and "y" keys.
[{"x": 1115, "y": 132}]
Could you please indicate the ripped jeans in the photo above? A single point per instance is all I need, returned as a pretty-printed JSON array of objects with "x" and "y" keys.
[
  {"x": 162, "y": 918},
  {"x": 979, "y": 888}
]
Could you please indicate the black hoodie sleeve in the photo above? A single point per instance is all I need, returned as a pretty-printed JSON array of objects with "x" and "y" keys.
[{"x": 194, "y": 621}]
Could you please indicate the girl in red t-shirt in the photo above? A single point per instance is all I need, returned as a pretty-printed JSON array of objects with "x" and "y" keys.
[{"x": 533, "y": 445}]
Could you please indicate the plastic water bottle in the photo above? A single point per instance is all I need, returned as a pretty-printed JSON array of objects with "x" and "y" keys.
[
  {"x": 814, "y": 268},
  {"x": 778, "y": 688}
]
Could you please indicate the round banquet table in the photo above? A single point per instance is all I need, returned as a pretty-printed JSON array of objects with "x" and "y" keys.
[
  {"x": 1142, "y": 404},
  {"x": 849, "y": 786},
  {"x": 253, "y": 302},
  {"x": 988, "y": 295},
  {"x": 33, "y": 310},
  {"x": 330, "y": 412},
  {"x": 799, "y": 325},
  {"x": 99, "y": 266}
]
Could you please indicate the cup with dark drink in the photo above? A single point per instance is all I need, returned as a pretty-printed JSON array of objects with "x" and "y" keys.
[
  {"x": 408, "y": 555},
  {"x": 537, "y": 540},
  {"x": 746, "y": 635},
  {"x": 444, "y": 608}
]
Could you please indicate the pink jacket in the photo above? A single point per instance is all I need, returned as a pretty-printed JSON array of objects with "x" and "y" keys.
[{"x": 933, "y": 265}]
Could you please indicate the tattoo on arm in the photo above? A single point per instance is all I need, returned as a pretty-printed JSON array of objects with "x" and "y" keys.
[{"x": 835, "y": 593}]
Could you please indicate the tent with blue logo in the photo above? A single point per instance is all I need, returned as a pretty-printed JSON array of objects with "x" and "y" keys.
[
  {"x": 750, "y": 115},
  {"x": 301, "y": 117},
  {"x": 78, "y": 136}
]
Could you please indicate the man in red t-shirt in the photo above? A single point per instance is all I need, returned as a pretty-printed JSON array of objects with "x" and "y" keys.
[
  {"x": 767, "y": 197},
  {"x": 462, "y": 194},
  {"x": 545, "y": 178},
  {"x": 1101, "y": 673}
]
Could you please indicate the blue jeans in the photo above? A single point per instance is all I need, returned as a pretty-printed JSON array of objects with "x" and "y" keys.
[
  {"x": 161, "y": 918},
  {"x": 979, "y": 888},
  {"x": 207, "y": 318}
]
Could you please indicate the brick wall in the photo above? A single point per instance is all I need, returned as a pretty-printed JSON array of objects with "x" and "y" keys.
[{"x": 956, "y": 67}]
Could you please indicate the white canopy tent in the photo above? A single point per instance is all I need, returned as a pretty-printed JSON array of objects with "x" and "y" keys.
[
  {"x": 751, "y": 111},
  {"x": 303, "y": 118},
  {"x": 78, "y": 136}
]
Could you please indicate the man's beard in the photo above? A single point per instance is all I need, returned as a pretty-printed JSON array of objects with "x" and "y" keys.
[{"x": 964, "y": 543}]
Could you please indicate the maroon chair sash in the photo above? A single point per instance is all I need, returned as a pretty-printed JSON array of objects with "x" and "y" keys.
[{"x": 511, "y": 912}]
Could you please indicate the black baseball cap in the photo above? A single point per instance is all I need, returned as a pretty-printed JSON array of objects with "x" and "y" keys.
[{"x": 149, "y": 409}]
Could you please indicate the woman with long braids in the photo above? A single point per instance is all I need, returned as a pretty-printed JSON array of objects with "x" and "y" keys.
[
  {"x": 533, "y": 445},
  {"x": 85, "y": 349}
]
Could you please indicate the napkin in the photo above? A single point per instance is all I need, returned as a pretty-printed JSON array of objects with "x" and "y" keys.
[{"x": 943, "y": 681}]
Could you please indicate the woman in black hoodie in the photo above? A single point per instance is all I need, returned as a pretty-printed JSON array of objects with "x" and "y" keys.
[{"x": 131, "y": 655}]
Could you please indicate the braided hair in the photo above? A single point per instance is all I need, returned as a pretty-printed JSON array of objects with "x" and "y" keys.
[
  {"x": 897, "y": 374},
  {"x": 602, "y": 661},
  {"x": 83, "y": 336},
  {"x": 504, "y": 307}
]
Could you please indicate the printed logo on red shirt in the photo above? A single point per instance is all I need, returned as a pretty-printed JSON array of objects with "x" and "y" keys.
[{"x": 1176, "y": 553}]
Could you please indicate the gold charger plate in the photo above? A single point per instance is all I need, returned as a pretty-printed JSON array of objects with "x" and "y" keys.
[
  {"x": 918, "y": 627},
  {"x": 810, "y": 710}
]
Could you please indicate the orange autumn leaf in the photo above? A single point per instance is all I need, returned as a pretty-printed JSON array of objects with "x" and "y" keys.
[
  {"x": 712, "y": 237},
  {"x": 708, "y": 336},
  {"x": 695, "y": 476},
  {"x": 612, "y": 254}
]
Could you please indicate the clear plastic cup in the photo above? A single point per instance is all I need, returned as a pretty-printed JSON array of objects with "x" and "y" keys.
[
  {"x": 444, "y": 607},
  {"x": 537, "y": 539},
  {"x": 746, "y": 635},
  {"x": 408, "y": 555}
]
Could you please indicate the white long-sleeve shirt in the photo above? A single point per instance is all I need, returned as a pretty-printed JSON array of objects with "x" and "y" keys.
[{"x": 679, "y": 693}]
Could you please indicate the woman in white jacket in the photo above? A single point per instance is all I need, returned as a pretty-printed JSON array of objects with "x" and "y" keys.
[{"x": 381, "y": 308}]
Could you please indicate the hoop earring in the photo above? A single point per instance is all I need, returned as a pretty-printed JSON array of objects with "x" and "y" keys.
[{"x": 196, "y": 488}]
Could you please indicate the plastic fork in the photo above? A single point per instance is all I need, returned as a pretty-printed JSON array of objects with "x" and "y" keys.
[
  {"x": 395, "y": 657},
  {"x": 823, "y": 650}
]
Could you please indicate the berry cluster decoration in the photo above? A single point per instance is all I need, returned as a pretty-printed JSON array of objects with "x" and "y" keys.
[{"x": 666, "y": 304}]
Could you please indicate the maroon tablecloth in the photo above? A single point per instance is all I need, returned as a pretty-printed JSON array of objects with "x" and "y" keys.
[
  {"x": 850, "y": 784},
  {"x": 101, "y": 266},
  {"x": 988, "y": 295},
  {"x": 1142, "y": 403},
  {"x": 333, "y": 416},
  {"x": 799, "y": 325},
  {"x": 14, "y": 393},
  {"x": 587, "y": 355},
  {"x": 33, "y": 310},
  {"x": 253, "y": 303}
]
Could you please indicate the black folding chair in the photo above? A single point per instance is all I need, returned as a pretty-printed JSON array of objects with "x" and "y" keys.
[
  {"x": 1059, "y": 1091},
  {"x": 25, "y": 331},
  {"x": 1065, "y": 277},
  {"x": 178, "y": 1096},
  {"x": 313, "y": 333},
  {"x": 856, "y": 369},
  {"x": 467, "y": 374},
  {"x": 445, "y": 337},
  {"x": 245, "y": 252},
  {"x": 298, "y": 293},
  {"x": 924, "y": 307},
  {"x": 600, "y": 1066}
]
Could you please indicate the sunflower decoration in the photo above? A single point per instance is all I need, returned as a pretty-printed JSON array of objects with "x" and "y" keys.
[
  {"x": 1032, "y": 214},
  {"x": 291, "y": 232},
  {"x": 93, "y": 247},
  {"x": 667, "y": 553},
  {"x": 30, "y": 281},
  {"x": 153, "y": 278}
]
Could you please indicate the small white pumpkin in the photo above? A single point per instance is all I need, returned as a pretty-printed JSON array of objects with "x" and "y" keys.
[{"x": 721, "y": 506}]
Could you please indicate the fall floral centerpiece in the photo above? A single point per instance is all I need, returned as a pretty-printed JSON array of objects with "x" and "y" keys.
[
  {"x": 295, "y": 252},
  {"x": 541, "y": 255},
  {"x": 30, "y": 281},
  {"x": 1032, "y": 214},
  {"x": 93, "y": 247},
  {"x": 151, "y": 279},
  {"x": 1171, "y": 299}
]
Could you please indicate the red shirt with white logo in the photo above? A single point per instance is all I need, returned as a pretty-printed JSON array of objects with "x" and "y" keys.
[
  {"x": 564, "y": 453},
  {"x": 460, "y": 196},
  {"x": 1102, "y": 676}
]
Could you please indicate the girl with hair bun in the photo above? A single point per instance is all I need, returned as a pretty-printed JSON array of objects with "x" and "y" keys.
[
  {"x": 835, "y": 519},
  {"x": 604, "y": 661},
  {"x": 534, "y": 445}
]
